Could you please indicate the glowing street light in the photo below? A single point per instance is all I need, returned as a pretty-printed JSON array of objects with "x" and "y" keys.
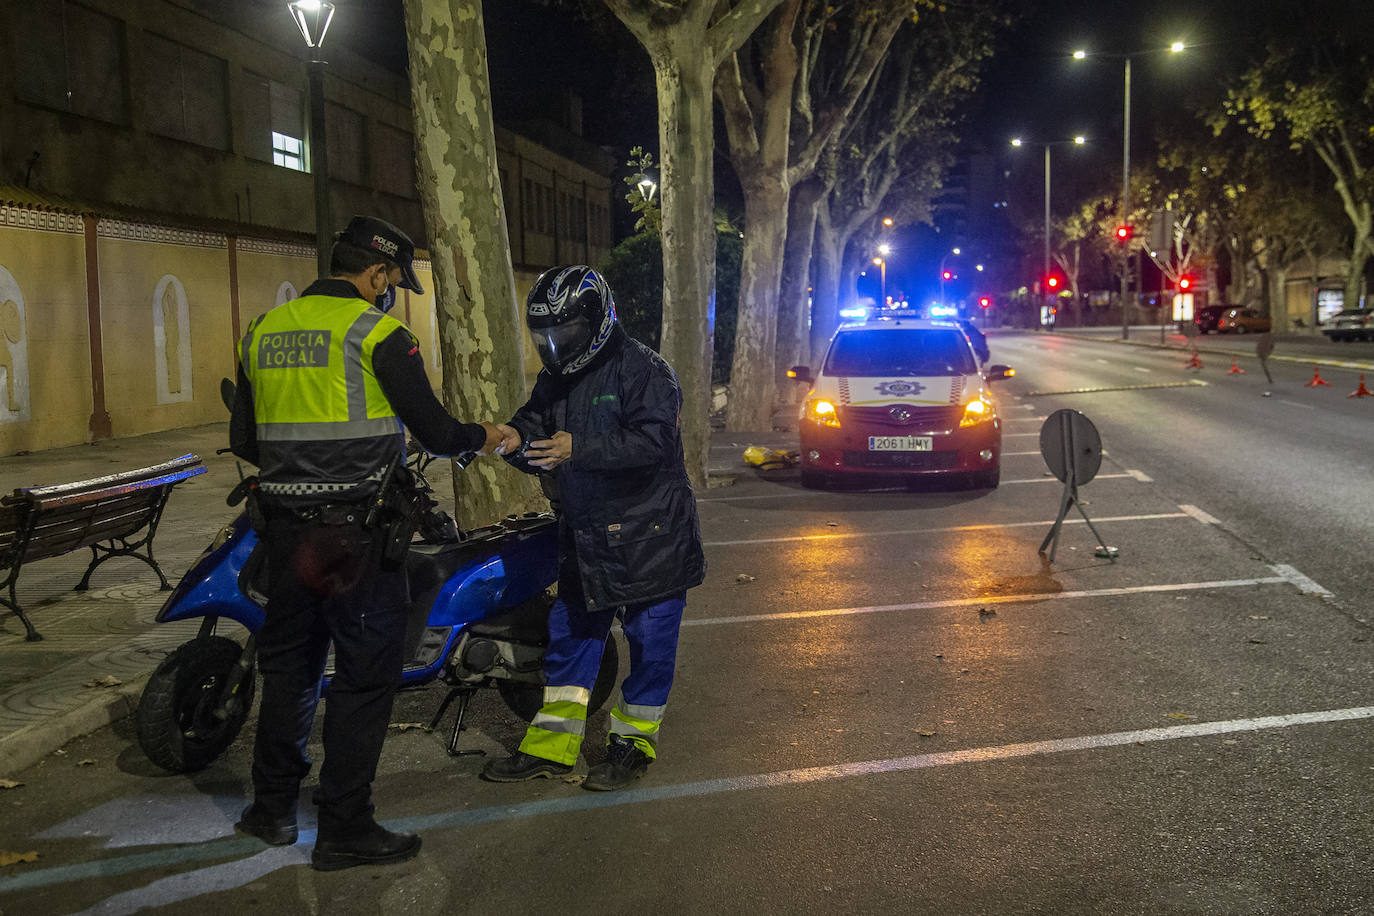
[
  {"x": 1176, "y": 47},
  {"x": 1077, "y": 141},
  {"x": 882, "y": 265}
]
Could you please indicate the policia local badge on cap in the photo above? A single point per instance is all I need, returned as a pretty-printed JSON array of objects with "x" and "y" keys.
[{"x": 387, "y": 240}]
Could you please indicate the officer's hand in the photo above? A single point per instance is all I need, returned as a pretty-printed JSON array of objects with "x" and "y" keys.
[
  {"x": 510, "y": 440},
  {"x": 499, "y": 437},
  {"x": 547, "y": 454}
]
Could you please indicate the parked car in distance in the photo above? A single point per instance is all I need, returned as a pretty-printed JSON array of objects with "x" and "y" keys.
[
  {"x": 1350, "y": 324},
  {"x": 1206, "y": 318},
  {"x": 1242, "y": 321}
]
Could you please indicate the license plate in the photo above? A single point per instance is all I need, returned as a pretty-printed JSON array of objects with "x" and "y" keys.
[{"x": 899, "y": 443}]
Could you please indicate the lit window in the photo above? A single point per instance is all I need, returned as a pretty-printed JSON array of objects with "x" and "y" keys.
[{"x": 288, "y": 152}]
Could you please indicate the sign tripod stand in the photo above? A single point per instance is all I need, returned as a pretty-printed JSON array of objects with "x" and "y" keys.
[{"x": 1072, "y": 449}]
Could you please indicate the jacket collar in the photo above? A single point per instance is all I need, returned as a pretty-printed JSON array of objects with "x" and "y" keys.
[{"x": 333, "y": 286}]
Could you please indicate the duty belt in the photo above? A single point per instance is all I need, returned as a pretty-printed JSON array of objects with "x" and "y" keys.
[{"x": 313, "y": 488}]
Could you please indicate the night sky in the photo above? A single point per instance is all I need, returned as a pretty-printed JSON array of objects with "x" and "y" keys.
[{"x": 1032, "y": 87}]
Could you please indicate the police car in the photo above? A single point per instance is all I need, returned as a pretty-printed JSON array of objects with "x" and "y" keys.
[{"x": 901, "y": 394}]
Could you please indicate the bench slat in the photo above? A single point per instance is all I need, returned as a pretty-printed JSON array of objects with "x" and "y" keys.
[
  {"x": 53, "y": 536},
  {"x": 185, "y": 462}
]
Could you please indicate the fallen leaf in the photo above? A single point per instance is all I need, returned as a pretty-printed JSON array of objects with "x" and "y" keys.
[
  {"x": 9, "y": 784},
  {"x": 406, "y": 726},
  {"x": 108, "y": 680},
  {"x": 573, "y": 780},
  {"x": 89, "y": 761},
  {"x": 926, "y": 734},
  {"x": 744, "y": 577},
  {"x": 1180, "y": 715},
  {"x": 10, "y": 858}
]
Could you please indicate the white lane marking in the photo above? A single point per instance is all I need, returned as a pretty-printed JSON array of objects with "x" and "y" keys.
[
  {"x": 1019, "y": 435},
  {"x": 998, "y": 599},
  {"x": 1026, "y": 419},
  {"x": 1295, "y": 404},
  {"x": 883, "y": 534},
  {"x": 205, "y": 880},
  {"x": 1304, "y": 584},
  {"x": 1057, "y": 480},
  {"x": 1104, "y": 362},
  {"x": 1009, "y": 454},
  {"x": 1137, "y": 474},
  {"x": 1140, "y": 369},
  {"x": 1201, "y": 516}
]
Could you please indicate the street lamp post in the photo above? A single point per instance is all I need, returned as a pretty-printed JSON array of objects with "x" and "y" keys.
[
  {"x": 1045, "y": 259},
  {"x": 313, "y": 18},
  {"x": 1174, "y": 48},
  {"x": 881, "y": 263}
]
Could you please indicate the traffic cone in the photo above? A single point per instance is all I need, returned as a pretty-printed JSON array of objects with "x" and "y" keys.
[
  {"x": 1235, "y": 370},
  {"x": 1193, "y": 363},
  {"x": 1362, "y": 391},
  {"x": 1317, "y": 378}
]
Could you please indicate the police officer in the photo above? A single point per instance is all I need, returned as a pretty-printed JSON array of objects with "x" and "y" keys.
[
  {"x": 325, "y": 384},
  {"x": 603, "y": 418}
]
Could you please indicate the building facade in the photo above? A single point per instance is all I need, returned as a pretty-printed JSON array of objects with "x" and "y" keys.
[{"x": 156, "y": 195}]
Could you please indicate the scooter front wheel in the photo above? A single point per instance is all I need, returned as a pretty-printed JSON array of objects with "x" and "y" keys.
[
  {"x": 176, "y": 721},
  {"x": 525, "y": 699}
]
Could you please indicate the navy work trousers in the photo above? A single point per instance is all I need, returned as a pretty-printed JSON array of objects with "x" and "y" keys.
[{"x": 327, "y": 584}]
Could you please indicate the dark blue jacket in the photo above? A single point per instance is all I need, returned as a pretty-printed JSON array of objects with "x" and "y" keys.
[{"x": 628, "y": 517}]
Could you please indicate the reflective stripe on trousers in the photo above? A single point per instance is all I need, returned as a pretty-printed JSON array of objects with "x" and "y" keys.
[{"x": 577, "y": 638}]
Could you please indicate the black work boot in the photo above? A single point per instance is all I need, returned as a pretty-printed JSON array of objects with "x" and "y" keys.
[
  {"x": 274, "y": 831},
  {"x": 520, "y": 766},
  {"x": 625, "y": 762},
  {"x": 378, "y": 846}
]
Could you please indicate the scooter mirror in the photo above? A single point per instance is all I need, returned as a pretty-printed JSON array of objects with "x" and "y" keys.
[{"x": 226, "y": 394}]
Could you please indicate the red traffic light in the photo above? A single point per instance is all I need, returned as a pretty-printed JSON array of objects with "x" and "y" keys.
[
  {"x": 1124, "y": 233},
  {"x": 984, "y": 301},
  {"x": 1052, "y": 282},
  {"x": 947, "y": 275},
  {"x": 1185, "y": 282}
]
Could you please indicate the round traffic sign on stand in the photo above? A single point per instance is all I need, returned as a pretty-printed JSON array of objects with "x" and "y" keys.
[{"x": 1071, "y": 446}]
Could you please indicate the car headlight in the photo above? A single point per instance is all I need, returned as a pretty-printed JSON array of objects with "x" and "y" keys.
[
  {"x": 819, "y": 410},
  {"x": 979, "y": 410}
]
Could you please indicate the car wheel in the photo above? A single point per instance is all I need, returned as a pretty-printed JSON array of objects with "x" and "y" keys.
[
  {"x": 813, "y": 480},
  {"x": 1242, "y": 329}
]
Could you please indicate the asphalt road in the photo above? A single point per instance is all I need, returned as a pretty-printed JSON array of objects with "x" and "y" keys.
[{"x": 887, "y": 702}]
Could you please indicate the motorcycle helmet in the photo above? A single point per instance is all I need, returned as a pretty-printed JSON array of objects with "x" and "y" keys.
[{"x": 570, "y": 314}]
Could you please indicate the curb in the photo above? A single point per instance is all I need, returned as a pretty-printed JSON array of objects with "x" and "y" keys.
[{"x": 22, "y": 749}]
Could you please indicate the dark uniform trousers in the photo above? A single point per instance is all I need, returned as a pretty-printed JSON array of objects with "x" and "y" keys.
[{"x": 327, "y": 584}]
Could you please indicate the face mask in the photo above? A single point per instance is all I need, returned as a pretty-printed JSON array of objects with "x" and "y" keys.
[{"x": 386, "y": 300}]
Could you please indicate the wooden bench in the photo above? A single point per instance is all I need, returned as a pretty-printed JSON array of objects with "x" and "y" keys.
[{"x": 106, "y": 514}]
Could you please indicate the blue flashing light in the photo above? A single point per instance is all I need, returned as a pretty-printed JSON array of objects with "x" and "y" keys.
[
  {"x": 943, "y": 311},
  {"x": 857, "y": 311}
]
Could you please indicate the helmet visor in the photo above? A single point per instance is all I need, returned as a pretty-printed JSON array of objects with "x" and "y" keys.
[{"x": 562, "y": 343}]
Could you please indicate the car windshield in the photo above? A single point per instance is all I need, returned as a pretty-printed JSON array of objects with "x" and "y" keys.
[{"x": 899, "y": 352}]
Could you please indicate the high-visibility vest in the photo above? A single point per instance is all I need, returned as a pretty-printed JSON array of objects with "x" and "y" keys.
[{"x": 324, "y": 427}]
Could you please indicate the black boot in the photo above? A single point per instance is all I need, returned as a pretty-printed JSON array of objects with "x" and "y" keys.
[
  {"x": 274, "y": 831},
  {"x": 520, "y": 766},
  {"x": 625, "y": 762},
  {"x": 378, "y": 846}
]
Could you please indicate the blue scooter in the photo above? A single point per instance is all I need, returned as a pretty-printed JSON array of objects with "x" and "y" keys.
[{"x": 478, "y": 618}]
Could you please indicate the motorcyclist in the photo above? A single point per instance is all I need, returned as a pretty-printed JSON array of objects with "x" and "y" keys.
[{"x": 603, "y": 420}]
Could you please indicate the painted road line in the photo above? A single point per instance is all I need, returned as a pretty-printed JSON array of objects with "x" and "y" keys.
[
  {"x": 1141, "y": 369},
  {"x": 1201, "y": 516},
  {"x": 1104, "y": 362},
  {"x": 985, "y": 600},
  {"x": 1010, "y": 454},
  {"x": 1294, "y": 404},
  {"x": 1020, "y": 435},
  {"x": 217, "y": 878},
  {"x": 1057, "y": 480},
  {"x": 1304, "y": 584},
  {"x": 1138, "y": 475},
  {"x": 1026, "y": 419},
  {"x": 885, "y": 534},
  {"x": 1190, "y": 383}
]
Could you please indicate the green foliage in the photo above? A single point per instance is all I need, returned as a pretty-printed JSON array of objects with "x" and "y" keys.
[
  {"x": 642, "y": 167},
  {"x": 634, "y": 269}
]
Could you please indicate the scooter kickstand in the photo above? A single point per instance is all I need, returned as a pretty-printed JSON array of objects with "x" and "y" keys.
[{"x": 464, "y": 696}]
